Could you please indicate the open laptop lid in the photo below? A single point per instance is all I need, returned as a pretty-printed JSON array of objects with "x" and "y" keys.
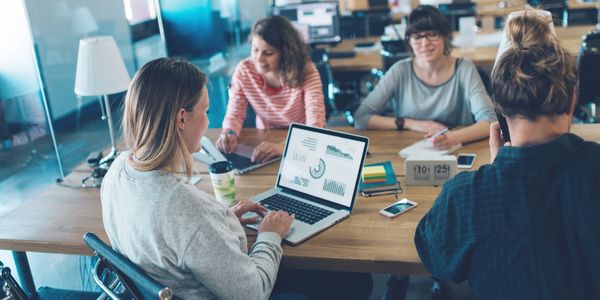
[{"x": 322, "y": 165}]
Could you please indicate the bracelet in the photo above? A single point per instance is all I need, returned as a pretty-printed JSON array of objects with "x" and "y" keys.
[{"x": 399, "y": 123}]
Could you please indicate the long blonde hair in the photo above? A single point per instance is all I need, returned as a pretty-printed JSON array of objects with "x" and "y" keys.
[{"x": 157, "y": 92}]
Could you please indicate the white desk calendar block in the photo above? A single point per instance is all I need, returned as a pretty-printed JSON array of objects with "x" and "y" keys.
[{"x": 429, "y": 169}]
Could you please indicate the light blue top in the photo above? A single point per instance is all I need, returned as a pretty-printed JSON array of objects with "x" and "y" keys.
[{"x": 462, "y": 100}]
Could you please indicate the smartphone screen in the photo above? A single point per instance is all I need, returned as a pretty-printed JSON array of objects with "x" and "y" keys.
[
  {"x": 465, "y": 159},
  {"x": 398, "y": 208}
]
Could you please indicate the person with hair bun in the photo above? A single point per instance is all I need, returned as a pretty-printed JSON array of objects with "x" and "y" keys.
[
  {"x": 278, "y": 81},
  {"x": 431, "y": 90},
  {"x": 526, "y": 225}
]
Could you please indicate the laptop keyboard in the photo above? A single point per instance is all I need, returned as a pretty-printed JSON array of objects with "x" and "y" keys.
[
  {"x": 304, "y": 212},
  {"x": 239, "y": 162}
]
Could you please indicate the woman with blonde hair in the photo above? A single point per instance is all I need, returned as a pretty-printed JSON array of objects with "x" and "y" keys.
[
  {"x": 278, "y": 81},
  {"x": 525, "y": 226},
  {"x": 179, "y": 235}
]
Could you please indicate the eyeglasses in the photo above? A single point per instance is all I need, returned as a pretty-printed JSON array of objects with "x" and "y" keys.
[{"x": 429, "y": 35}]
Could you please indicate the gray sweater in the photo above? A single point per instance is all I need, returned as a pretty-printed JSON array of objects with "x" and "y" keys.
[
  {"x": 462, "y": 100},
  {"x": 183, "y": 237}
]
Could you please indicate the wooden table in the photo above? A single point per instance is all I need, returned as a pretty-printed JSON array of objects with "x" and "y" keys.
[
  {"x": 365, "y": 61},
  {"x": 56, "y": 219}
]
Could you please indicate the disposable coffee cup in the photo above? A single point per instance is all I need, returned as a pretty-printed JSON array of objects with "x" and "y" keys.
[{"x": 223, "y": 181}]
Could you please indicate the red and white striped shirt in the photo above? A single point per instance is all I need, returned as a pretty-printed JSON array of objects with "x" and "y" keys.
[{"x": 274, "y": 107}]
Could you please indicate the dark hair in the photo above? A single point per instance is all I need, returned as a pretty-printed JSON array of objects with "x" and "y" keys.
[
  {"x": 425, "y": 18},
  {"x": 278, "y": 32},
  {"x": 156, "y": 94},
  {"x": 536, "y": 76}
]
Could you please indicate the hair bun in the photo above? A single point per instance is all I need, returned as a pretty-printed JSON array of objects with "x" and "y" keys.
[
  {"x": 528, "y": 31},
  {"x": 535, "y": 76}
]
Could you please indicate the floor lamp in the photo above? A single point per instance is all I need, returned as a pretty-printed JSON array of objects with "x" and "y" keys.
[{"x": 101, "y": 72}]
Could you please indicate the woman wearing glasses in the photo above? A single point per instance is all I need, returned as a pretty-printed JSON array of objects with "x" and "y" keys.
[{"x": 431, "y": 90}]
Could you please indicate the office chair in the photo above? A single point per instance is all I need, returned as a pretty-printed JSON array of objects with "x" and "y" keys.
[
  {"x": 11, "y": 290},
  {"x": 588, "y": 92},
  {"x": 321, "y": 60},
  {"x": 336, "y": 101},
  {"x": 485, "y": 78},
  {"x": 119, "y": 278},
  {"x": 392, "y": 50},
  {"x": 10, "y": 287}
]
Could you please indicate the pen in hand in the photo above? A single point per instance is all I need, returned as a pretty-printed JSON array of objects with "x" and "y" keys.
[{"x": 443, "y": 131}]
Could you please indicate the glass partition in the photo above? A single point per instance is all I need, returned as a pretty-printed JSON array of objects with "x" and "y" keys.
[{"x": 38, "y": 57}]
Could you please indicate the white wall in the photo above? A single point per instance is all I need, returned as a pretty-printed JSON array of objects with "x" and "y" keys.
[
  {"x": 17, "y": 67},
  {"x": 253, "y": 10}
]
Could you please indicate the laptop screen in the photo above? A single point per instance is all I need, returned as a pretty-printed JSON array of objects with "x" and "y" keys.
[{"x": 322, "y": 163}]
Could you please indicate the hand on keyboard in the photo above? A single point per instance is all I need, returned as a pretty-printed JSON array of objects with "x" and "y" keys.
[
  {"x": 302, "y": 211},
  {"x": 278, "y": 222},
  {"x": 245, "y": 206}
]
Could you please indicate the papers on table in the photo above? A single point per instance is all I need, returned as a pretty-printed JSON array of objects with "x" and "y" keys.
[{"x": 425, "y": 147}]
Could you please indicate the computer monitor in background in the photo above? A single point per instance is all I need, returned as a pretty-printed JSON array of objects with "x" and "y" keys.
[
  {"x": 192, "y": 29},
  {"x": 318, "y": 22}
]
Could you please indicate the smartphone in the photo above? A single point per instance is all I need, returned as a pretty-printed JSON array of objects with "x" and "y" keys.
[
  {"x": 503, "y": 126},
  {"x": 466, "y": 160},
  {"x": 398, "y": 208}
]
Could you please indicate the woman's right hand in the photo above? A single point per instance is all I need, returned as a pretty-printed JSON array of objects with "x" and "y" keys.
[
  {"x": 278, "y": 222},
  {"x": 227, "y": 142},
  {"x": 426, "y": 126}
]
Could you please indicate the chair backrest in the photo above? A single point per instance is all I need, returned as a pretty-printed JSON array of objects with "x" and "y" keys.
[
  {"x": 392, "y": 51},
  {"x": 588, "y": 65},
  {"x": 113, "y": 270},
  {"x": 321, "y": 61},
  {"x": 485, "y": 78},
  {"x": 588, "y": 90},
  {"x": 9, "y": 288}
]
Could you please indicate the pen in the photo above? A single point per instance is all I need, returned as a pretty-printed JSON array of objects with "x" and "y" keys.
[{"x": 438, "y": 134}]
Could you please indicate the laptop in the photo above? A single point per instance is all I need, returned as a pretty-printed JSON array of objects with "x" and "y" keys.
[
  {"x": 317, "y": 179},
  {"x": 240, "y": 157}
]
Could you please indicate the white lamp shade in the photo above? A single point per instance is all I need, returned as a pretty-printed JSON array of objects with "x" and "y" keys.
[
  {"x": 100, "y": 67},
  {"x": 505, "y": 43}
]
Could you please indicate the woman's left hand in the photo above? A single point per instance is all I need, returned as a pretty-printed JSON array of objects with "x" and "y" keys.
[
  {"x": 444, "y": 141},
  {"x": 244, "y": 206},
  {"x": 266, "y": 150}
]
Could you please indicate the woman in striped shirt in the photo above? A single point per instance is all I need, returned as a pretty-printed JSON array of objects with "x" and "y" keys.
[{"x": 280, "y": 83}]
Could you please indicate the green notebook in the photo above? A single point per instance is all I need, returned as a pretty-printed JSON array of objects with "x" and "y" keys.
[{"x": 390, "y": 179}]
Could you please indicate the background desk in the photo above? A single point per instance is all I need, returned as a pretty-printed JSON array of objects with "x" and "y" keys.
[
  {"x": 56, "y": 220},
  {"x": 570, "y": 38}
]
